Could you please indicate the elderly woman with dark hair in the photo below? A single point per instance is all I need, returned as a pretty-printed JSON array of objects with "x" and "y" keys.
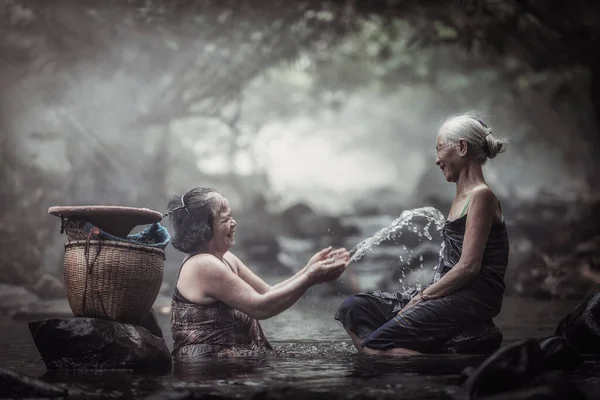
[
  {"x": 468, "y": 286},
  {"x": 218, "y": 300}
]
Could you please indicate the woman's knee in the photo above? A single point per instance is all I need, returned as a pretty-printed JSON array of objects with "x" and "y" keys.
[{"x": 351, "y": 303}]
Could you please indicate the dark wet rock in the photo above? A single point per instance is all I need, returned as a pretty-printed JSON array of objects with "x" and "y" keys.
[
  {"x": 256, "y": 237},
  {"x": 300, "y": 220},
  {"x": 261, "y": 249},
  {"x": 546, "y": 276},
  {"x": 581, "y": 327},
  {"x": 510, "y": 368},
  {"x": 560, "y": 354},
  {"x": 485, "y": 338},
  {"x": 13, "y": 297},
  {"x": 550, "y": 264},
  {"x": 551, "y": 386},
  {"x": 150, "y": 322},
  {"x": 49, "y": 287},
  {"x": 42, "y": 309},
  {"x": 527, "y": 368},
  {"x": 89, "y": 343},
  {"x": 16, "y": 385}
]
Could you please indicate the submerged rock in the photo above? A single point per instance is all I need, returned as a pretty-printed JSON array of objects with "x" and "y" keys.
[
  {"x": 581, "y": 327},
  {"x": 89, "y": 343},
  {"x": 560, "y": 354},
  {"x": 550, "y": 386},
  {"x": 16, "y": 385},
  {"x": 522, "y": 369},
  {"x": 510, "y": 368}
]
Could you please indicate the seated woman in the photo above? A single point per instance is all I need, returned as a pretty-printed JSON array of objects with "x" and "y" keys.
[
  {"x": 468, "y": 285},
  {"x": 218, "y": 299}
]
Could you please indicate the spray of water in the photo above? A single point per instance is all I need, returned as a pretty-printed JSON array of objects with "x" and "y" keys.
[{"x": 395, "y": 229}]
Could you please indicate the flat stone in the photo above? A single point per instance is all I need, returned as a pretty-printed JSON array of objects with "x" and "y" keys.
[{"x": 90, "y": 343}]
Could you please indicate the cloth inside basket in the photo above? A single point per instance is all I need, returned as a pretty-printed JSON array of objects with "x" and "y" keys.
[{"x": 154, "y": 235}]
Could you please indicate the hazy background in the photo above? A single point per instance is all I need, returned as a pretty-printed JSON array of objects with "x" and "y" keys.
[{"x": 316, "y": 119}]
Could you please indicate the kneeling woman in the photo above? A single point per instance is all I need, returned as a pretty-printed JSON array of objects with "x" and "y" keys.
[
  {"x": 218, "y": 300},
  {"x": 469, "y": 282}
]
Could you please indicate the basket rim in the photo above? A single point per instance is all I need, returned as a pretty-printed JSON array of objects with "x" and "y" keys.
[{"x": 115, "y": 243}]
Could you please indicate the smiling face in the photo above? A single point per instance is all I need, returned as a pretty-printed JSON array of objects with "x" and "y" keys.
[
  {"x": 448, "y": 158},
  {"x": 223, "y": 237}
]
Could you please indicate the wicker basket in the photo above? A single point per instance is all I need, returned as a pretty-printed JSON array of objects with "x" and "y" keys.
[{"x": 112, "y": 280}]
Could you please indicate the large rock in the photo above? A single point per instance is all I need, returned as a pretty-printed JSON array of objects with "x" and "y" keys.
[
  {"x": 89, "y": 343},
  {"x": 300, "y": 220},
  {"x": 581, "y": 327},
  {"x": 522, "y": 365},
  {"x": 18, "y": 386}
]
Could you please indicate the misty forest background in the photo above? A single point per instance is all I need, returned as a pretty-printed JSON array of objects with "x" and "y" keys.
[{"x": 317, "y": 119}]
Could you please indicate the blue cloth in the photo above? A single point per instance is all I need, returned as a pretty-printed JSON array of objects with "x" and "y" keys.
[{"x": 154, "y": 235}]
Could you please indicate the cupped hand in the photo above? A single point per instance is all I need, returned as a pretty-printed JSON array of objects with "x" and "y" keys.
[
  {"x": 319, "y": 255},
  {"x": 330, "y": 267}
]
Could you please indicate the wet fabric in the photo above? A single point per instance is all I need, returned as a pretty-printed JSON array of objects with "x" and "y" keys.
[
  {"x": 425, "y": 327},
  {"x": 206, "y": 330}
]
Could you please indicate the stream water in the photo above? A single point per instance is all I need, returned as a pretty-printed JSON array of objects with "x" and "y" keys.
[
  {"x": 313, "y": 354},
  {"x": 313, "y": 351}
]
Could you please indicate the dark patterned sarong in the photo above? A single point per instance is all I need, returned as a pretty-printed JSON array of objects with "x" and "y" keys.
[{"x": 206, "y": 330}]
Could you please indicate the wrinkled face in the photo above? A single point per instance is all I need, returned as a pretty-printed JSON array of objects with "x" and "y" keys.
[
  {"x": 448, "y": 158},
  {"x": 224, "y": 228}
]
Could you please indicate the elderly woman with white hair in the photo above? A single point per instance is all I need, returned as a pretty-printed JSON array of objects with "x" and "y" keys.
[{"x": 468, "y": 286}]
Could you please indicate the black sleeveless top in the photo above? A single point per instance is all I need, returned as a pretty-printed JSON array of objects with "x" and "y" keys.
[{"x": 489, "y": 282}]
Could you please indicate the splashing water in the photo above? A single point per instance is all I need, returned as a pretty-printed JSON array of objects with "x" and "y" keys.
[{"x": 394, "y": 230}]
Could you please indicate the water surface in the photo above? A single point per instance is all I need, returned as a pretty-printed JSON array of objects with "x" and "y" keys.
[{"x": 313, "y": 353}]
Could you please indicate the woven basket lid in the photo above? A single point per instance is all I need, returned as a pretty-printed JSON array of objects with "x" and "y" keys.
[{"x": 116, "y": 220}]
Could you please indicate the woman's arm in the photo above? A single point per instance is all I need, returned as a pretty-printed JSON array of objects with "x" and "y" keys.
[
  {"x": 262, "y": 287},
  {"x": 220, "y": 283},
  {"x": 480, "y": 216}
]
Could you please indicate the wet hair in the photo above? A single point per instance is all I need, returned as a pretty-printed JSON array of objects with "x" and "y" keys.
[
  {"x": 470, "y": 127},
  {"x": 192, "y": 216}
]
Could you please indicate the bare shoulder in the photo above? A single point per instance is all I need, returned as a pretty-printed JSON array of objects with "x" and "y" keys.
[
  {"x": 233, "y": 260},
  {"x": 483, "y": 194},
  {"x": 484, "y": 202},
  {"x": 232, "y": 257},
  {"x": 207, "y": 264}
]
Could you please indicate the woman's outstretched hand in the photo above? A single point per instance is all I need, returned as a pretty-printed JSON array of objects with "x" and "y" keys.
[{"x": 327, "y": 264}]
